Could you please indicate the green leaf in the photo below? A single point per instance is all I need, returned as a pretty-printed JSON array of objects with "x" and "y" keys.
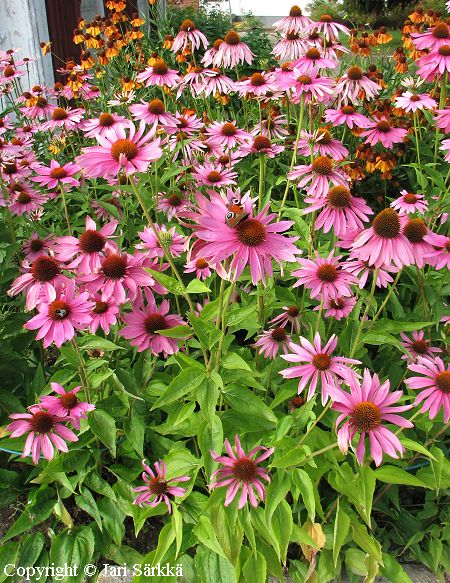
[
  {"x": 8, "y": 556},
  {"x": 183, "y": 384},
  {"x": 165, "y": 540},
  {"x": 33, "y": 514},
  {"x": 205, "y": 533},
  {"x": 243, "y": 400},
  {"x": 196, "y": 286},
  {"x": 414, "y": 446},
  {"x": 103, "y": 426},
  {"x": 255, "y": 569},
  {"x": 171, "y": 284},
  {"x": 393, "y": 571},
  {"x": 207, "y": 333},
  {"x": 395, "y": 475},
  {"x": 341, "y": 528},
  {"x": 368, "y": 543},
  {"x": 392, "y": 327},
  {"x": 97, "y": 343},
  {"x": 306, "y": 487},
  {"x": 112, "y": 518},
  {"x": 234, "y": 361},
  {"x": 212, "y": 567},
  {"x": 30, "y": 549},
  {"x": 75, "y": 547},
  {"x": 276, "y": 492},
  {"x": 210, "y": 437},
  {"x": 86, "y": 502},
  {"x": 182, "y": 331},
  {"x": 177, "y": 522}
]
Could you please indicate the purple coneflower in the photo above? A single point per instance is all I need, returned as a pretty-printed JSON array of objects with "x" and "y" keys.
[
  {"x": 270, "y": 341},
  {"x": 158, "y": 487},
  {"x": 240, "y": 470},
  {"x": 410, "y": 203},
  {"x": 435, "y": 381}
]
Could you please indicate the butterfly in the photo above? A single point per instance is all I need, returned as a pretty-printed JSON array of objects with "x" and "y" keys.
[
  {"x": 61, "y": 313},
  {"x": 236, "y": 213}
]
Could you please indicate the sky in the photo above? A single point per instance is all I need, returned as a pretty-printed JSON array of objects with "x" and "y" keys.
[{"x": 263, "y": 7}]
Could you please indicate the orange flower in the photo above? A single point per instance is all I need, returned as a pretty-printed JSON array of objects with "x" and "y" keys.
[{"x": 46, "y": 48}]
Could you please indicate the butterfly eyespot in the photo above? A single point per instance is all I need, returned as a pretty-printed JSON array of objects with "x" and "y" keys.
[
  {"x": 61, "y": 313},
  {"x": 230, "y": 215},
  {"x": 235, "y": 200}
]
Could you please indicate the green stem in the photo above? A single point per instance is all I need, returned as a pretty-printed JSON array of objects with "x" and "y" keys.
[
  {"x": 316, "y": 421},
  {"x": 82, "y": 369},
  {"x": 262, "y": 176},
  {"x": 66, "y": 213},
  {"x": 388, "y": 296},
  {"x": 167, "y": 255},
  {"x": 366, "y": 311},
  {"x": 294, "y": 156}
]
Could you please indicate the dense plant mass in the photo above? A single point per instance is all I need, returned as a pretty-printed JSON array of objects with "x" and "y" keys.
[{"x": 224, "y": 316}]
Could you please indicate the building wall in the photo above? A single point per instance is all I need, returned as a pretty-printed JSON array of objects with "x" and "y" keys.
[
  {"x": 23, "y": 24},
  {"x": 183, "y": 3}
]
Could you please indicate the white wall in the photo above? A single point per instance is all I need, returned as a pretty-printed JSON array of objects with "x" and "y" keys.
[{"x": 23, "y": 24}]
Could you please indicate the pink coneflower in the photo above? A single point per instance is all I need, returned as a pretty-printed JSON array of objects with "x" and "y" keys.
[
  {"x": 256, "y": 85},
  {"x": 323, "y": 144},
  {"x": 261, "y": 145},
  {"x": 14, "y": 169},
  {"x": 338, "y": 308},
  {"x": 25, "y": 200},
  {"x": 104, "y": 313},
  {"x": 69, "y": 119},
  {"x": 382, "y": 131},
  {"x": 318, "y": 175},
  {"x": 215, "y": 83},
  {"x": 435, "y": 381},
  {"x": 366, "y": 406},
  {"x": 443, "y": 119},
  {"x": 254, "y": 241},
  {"x": 45, "y": 431},
  {"x": 57, "y": 320},
  {"x": 308, "y": 87},
  {"x": 201, "y": 267},
  {"x": 329, "y": 29},
  {"x": 384, "y": 242},
  {"x": 241, "y": 470},
  {"x": 324, "y": 277},
  {"x": 289, "y": 48},
  {"x": 142, "y": 326},
  {"x": 433, "y": 38},
  {"x": 171, "y": 204},
  {"x": 153, "y": 113},
  {"x": 318, "y": 365},
  {"x": 88, "y": 247},
  {"x": 418, "y": 345},
  {"x": 271, "y": 341},
  {"x": 313, "y": 58},
  {"x": 105, "y": 122},
  {"x": 273, "y": 127},
  {"x": 226, "y": 134},
  {"x": 415, "y": 230},
  {"x": 339, "y": 210},
  {"x": 189, "y": 37},
  {"x": 159, "y": 74},
  {"x": 158, "y": 487},
  {"x": 409, "y": 101},
  {"x": 347, "y": 115},
  {"x": 296, "y": 22},
  {"x": 232, "y": 51},
  {"x": 354, "y": 86},
  {"x": 5, "y": 124},
  {"x": 119, "y": 152},
  {"x": 362, "y": 270},
  {"x": 210, "y": 54},
  {"x": 56, "y": 175},
  {"x": 118, "y": 273},
  {"x": 37, "y": 246},
  {"x": 41, "y": 108},
  {"x": 291, "y": 315},
  {"x": 210, "y": 175},
  {"x": 66, "y": 405},
  {"x": 439, "y": 257},
  {"x": 172, "y": 241},
  {"x": 434, "y": 64},
  {"x": 410, "y": 203},
  {"x": 39, "y": 281}
]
